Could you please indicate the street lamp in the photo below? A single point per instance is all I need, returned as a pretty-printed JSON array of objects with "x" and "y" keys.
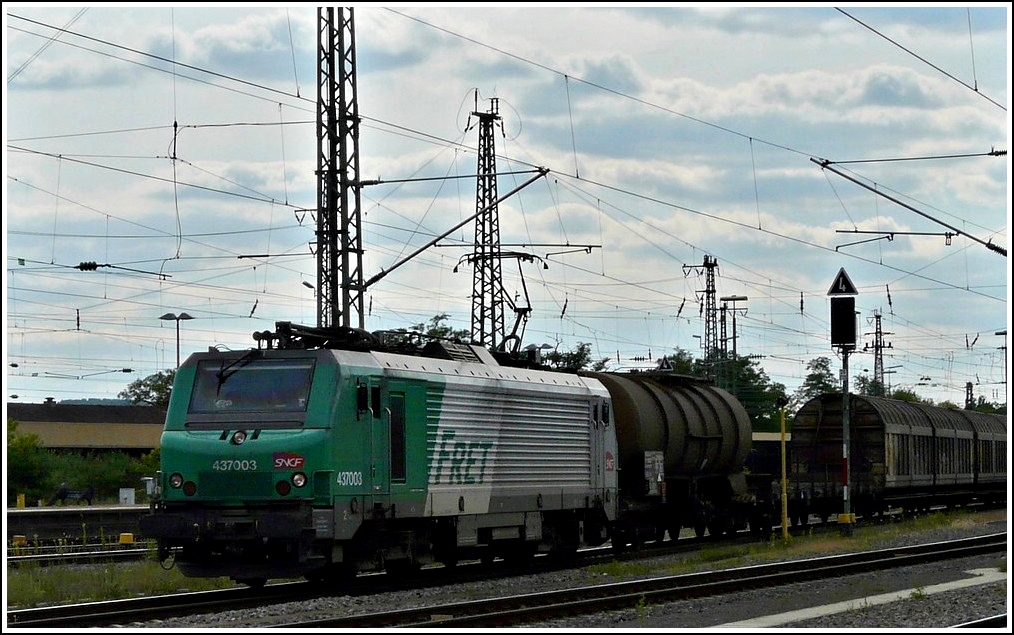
[
  {"x": 177, "y": 318},
  {"x": 1004, "y": 347}
]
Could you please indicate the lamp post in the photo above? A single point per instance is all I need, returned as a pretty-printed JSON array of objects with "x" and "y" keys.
[
  {"x": 1004, "y": 347},
  {"x": 725, "y": 300},
  {"x": 177, "y": 318}
]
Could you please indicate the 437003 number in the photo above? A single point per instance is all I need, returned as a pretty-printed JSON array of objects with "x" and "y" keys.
[{"x": 234, "y": 465}]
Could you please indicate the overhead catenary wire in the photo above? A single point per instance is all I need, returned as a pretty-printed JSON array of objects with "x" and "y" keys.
[{"x": 571, "y": 311}]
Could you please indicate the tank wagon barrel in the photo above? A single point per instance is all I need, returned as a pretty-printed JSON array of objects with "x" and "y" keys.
[
  {"x": 700, "y": 428},
  {"x": 703, "y": 436}
]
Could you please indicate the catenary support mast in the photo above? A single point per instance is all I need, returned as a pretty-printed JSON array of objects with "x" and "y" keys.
[{"x": 339, "y": 239}]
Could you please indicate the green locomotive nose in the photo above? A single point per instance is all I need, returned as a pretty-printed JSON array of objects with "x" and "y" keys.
[{"x": 212, "y": 466}]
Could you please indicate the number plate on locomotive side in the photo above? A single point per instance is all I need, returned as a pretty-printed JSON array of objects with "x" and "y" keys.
[{"x": 234, "y": 465}]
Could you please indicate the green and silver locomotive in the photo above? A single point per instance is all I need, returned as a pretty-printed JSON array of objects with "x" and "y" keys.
[{"x": 322, "y": 452}]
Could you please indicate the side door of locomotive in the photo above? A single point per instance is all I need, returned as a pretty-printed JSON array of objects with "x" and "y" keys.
[
  {"x": 399, "y": 439},
  {"x": 380, "y": 458}
]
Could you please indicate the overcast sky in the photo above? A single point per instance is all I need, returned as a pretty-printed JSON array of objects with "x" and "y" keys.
[{"x": 670, "y": 134}]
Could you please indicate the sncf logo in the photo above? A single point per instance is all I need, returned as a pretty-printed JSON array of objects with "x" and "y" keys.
[
  {"x": 610, "y": 462},
  {"x": 288, "y": 461}
]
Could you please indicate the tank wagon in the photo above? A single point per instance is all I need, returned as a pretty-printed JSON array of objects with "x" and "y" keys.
[
  {"x": 693, "y": 439},
  {"x": 322, "y": 452},
  {"x": 901, "y": 455}
]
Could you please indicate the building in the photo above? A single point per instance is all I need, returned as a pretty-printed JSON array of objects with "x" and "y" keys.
[{"x": 135, "y": 430}]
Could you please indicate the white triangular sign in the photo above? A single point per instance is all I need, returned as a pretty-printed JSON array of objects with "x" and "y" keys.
[{"x": 842, "y": 285}]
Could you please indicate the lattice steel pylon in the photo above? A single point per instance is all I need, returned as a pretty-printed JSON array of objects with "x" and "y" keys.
[
  {"x": 711, "y": 349},
  {"x": 878, "y": 354},
  {"x": 340, "y": 286},
  {"x": 487, "y": 285}
]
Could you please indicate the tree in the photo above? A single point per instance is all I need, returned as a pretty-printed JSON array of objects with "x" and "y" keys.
[
  {"x": 152, "y": 390},
  {"x": 904, "y": 394},
  {"x": 683, "y": 363},
  {"x": 819, "y": 380},
  {"x": 981, "y": 405},
  {"x": 570, "y": 361},
  {"x": 437, "y": 328},
  {"x": 748, "y": 382},
  {"x": 27, "y": 466},
  {"x": 868, "y": 387}
]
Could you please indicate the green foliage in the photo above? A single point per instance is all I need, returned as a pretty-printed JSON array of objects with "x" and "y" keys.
[
  {"x": 29, "y": 586},
  {"x": 37, "y": 472},
  {"x": 420, "y": 334},
  {"x": 868, "y": 387},
  {"x": 981, "y": 405},
  {"x": 745, "y": 379},
  {"x": 570, "y": 361},
  {"x": 148, "y": 464},
  {"x": 819, "y": 380},
  {"x": 28, "y": 466},
  {"x": 438, "y": 328},
  {"x": 904, "y": 394},
  {"x": 106, "y": 472},
  {"x": 152, "y": 390},
  {"x": 683, "y": 363}
]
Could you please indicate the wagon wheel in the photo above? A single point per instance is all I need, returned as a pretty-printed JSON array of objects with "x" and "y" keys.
[{"x": 619, "y": 540}]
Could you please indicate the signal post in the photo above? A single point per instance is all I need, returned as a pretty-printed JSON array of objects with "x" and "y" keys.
[{"x": 843, "y": 337}]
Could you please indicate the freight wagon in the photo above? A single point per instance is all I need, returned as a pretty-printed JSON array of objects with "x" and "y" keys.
[{"x": 902, "y": 455}]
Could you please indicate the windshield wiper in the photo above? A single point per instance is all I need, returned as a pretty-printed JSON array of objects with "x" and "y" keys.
[{"x": 223, "y": 372}]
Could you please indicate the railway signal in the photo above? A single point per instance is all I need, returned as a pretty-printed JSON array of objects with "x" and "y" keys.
[{"x": 843, "y": 337}]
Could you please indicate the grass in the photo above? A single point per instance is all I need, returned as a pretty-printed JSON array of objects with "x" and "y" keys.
[
  {"x": 33, "y": 585},
  {"x": 809, "y": 543}
]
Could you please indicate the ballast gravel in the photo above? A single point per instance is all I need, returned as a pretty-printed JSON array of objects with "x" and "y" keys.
[{"x": 918, "y": 605}]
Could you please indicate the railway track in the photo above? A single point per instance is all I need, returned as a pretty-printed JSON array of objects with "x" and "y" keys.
[
  {"x": 504, "y": 611},
  {"x": 56, "y": 558},
  {"x": 72, "y": 524},
  {"x": 144, "y": 549}
]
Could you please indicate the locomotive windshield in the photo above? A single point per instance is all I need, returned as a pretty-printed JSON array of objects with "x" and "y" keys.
[{"x": 251, "y": 384}]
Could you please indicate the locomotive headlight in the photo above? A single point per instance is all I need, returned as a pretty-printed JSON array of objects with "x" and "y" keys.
[
  {"x": 299, "y": 479},
  {"x": 238, "y": 437},
  {"x": 176, "y": 480}
]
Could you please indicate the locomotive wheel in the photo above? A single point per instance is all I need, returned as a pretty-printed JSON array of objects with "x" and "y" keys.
[
  {"x": 403, "y": 567},
  {"x": 450, "y": 561},
  {"x": 699, "y": 530},
  {"x": 253, "y": 583},
  {"x": 336, "y": 574}
]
